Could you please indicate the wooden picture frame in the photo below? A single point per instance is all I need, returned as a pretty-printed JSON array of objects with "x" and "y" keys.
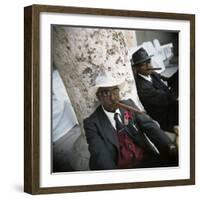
[{"x": 32, "y": 95}]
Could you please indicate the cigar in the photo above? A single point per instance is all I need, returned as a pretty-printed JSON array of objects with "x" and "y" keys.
[
  {"x": 158, "y": 68},
  {"x": 129, "y": 108}
]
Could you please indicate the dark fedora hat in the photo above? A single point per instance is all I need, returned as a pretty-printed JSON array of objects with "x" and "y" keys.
[{"x": 140, "y": 56}]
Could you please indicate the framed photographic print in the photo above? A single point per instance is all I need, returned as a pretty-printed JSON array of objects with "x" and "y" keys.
[{"x": 68, "y": 145}]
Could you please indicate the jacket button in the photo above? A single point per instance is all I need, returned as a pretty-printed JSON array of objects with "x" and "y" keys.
[
  {"x": 131, "y": 155},
  {"x": 129, "y": 146}
]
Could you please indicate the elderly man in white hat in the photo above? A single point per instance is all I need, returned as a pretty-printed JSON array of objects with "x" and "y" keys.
[{"x": 115, "y": 133}]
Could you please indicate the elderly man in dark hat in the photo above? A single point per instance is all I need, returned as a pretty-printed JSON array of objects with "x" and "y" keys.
[
  {"x": 120, "y": 136},
  {"x": 159, "y": 100}
]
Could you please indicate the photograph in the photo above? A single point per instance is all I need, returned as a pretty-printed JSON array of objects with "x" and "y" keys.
[
  {"x": 108, "y": 99},
  {"x": 95, "y": 68}
]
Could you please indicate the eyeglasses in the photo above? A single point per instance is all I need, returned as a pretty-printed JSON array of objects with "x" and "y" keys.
[{"x": 108, "y": 93}]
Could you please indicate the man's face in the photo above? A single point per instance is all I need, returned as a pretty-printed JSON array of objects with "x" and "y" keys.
[
  {"x": 144, "y": 68},
  {"x": 108, "y": 97}
]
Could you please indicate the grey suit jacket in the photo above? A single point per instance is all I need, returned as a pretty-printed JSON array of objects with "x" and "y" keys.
[{"x": 103, "y": 141}]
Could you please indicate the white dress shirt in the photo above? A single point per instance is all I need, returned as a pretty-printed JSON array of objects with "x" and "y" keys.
[
  {"x": 148, "y": 78},
  {"x": 110, "y": 116}
]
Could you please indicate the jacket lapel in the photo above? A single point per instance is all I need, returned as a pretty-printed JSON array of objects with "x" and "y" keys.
[
  {"x": 107, "y": 131},
  {"x": 157, "y": 82}
]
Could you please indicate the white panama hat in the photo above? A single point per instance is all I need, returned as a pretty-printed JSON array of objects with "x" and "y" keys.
[{"x": 106, "y": 81}]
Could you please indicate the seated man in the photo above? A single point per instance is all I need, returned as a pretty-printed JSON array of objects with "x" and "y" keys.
[
  {"x": 159, "y": 100},
  {"x": 116, "y": 135}
]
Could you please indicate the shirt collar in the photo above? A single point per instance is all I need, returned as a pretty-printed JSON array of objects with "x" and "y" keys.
[
  {"x": 148, "y": 78},
  {"x": 110, "y": 115}
]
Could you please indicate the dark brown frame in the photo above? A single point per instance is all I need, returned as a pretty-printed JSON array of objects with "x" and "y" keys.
[{"x": 32, "y": 91}]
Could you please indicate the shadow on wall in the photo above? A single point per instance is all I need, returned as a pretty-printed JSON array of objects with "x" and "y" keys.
[{"x": 67, "y": 146}]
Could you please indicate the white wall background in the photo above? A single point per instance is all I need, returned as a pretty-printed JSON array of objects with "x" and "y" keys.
[{"x": 11, "y": 101}]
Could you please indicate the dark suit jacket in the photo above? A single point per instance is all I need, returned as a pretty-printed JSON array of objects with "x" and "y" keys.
[
  {"x": 103, "y": 141},
  {"x": 159, "y": 102}
]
